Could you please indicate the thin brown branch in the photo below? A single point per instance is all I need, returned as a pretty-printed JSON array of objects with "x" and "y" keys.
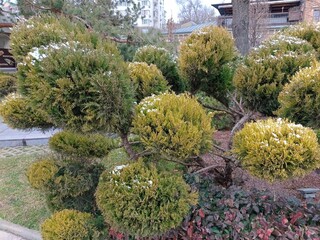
[
  {"x": 88, "y": 26},
  {"x": 38, "y": 7},
  {"x": 118, "y": 40},
  {"x": 216, "y": 108},
  {"x": 239, "y": 125},
  {"x": 220, "y": 148},
  {"x": 239, "y": 104},
  {"x": 224, "y": 157},
  {"x": 144, "y": 153},
  {"x": 208, "y": 168}
]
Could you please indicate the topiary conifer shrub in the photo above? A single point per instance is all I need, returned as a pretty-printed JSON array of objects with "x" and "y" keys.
[
  {"x": 165, "y": 62},
  {"x": 277, "y": 149},
  {"x": 79, "y": 87},
  {"x": 66, "y": 183},
  {"x": 306, "y": 31},
  {"x": 68, "y": 225},
  {"x": 265, "y": 71},
  {"x": 45, "y": 29},
  {"x": 17, "y": 112},
  {"x": 74, "y": 187},
  {"x": 300, "y": 98},
  {"x": 173, "y": 125},
  {"x": 204, "y": 61},
  {"x": 147, "y": 79},
  {"x": 143, "y": 202},
  {"x": 8, "y": 84},
  {"x": 81, "y": 145},
  {"x": 41, "y": 173}
]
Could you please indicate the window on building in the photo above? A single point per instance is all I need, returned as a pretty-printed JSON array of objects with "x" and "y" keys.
[
  {"x": 145, "y": 13},
  {"x": 122, "y": 3},
  {"x": 316, "y": 15},
  {"x": 4, "y": 41},
  {"x": 145, "y": 3},
  {"x": 146, "y": 21}
]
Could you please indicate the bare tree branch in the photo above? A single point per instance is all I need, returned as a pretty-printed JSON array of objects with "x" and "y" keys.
[
  {"x": 220, "y": 148},
  {"x": 208, "y": 168}
]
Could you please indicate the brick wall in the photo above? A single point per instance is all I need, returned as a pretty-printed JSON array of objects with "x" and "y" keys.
[{"x": 308, "y": 8}]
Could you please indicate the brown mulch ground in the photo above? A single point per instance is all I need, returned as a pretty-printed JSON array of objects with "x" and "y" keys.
[{"x": 283, "y": 188}]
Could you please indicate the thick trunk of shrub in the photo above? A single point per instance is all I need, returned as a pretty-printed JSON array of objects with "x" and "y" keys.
[{"x": 127, "y": 146}]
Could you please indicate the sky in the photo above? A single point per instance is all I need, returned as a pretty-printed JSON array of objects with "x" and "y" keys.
[{"x": 172, "y": 8}]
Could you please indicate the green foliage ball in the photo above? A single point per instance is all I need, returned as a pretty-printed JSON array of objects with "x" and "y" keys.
[
  {"x": 268, "y": 68},
  {"x": 306, "y": 31},
  {"x": 147, "y": 79},
  {"x": 68, "y": 225},
  {"x": 74, "y": 187},
  {"x": 44, "y": 29},
  {"x": 40, "y": 173},
  {"x": 173, "y": 125},
  {"x": 80, "y": 87},
  {"x": 204, "y": 58},
  {"x": 165, "y": 62},
  {"x": 17, "y": 112},
  {"x": 8, "y": 84},
  {"x": 81, "y": 145},
  {"x": 141, "y": 202},
  {"x": 300, "y": 98},
  {"x": 277, "y": 149}
]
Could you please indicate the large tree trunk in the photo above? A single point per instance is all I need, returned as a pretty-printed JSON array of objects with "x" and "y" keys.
[{"x": 240, "y": 24}]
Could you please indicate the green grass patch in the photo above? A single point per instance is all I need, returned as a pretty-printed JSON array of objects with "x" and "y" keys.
[
  {"x": 19, "y": 203},
  {"x": 115, "y": 158}
]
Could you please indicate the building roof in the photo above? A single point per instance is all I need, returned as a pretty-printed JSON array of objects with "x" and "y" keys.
[
  {"x": 225, "y": 4},
  {"x": 190, "y": 29},
  {"x": 6, "y": 21}
]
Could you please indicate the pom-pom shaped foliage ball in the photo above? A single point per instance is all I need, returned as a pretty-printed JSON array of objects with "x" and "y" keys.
[
  {"x": 141, "y": 202},
  {"x": 277, "y": 149},
  {"x": 40, "y": 173},
  {"x": 300, "y": 99},
  {"x": 173, "y": 125},
  {"x": 306, "y": 31},
  {"x": 17, "y": 112},
  {"x": 204, "y": 58},
  {"x": 147, "y": 79},
  {"x": 8, "y": 84},
  {"x": 165, "y": 62},
  {"x": 44, "y": 29},
  {"x": 68, "y": 225},
  {"x": 268, "y": 68},
  {"x": 80, "y": 87},
  {"x": 81, "y": 145}
]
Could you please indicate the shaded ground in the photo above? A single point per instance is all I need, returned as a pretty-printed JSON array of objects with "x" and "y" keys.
[{"x": 283, "y": 188}]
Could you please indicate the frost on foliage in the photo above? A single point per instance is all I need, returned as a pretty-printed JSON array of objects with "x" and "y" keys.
[
  {"x": 40, "y": 53},
  {"x": 277, "y": 149}
]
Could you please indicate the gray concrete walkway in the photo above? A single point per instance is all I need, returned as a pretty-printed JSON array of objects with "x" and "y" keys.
[
  {"x": 11, "y": 231},
  {"x": 9, "y": 236},
  {"x": 11, "y": 137}
]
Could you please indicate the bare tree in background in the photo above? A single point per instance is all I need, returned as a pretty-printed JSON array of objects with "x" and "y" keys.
[
  {"x": 259, "y": 13},
  {"x": 194, "y": 10},
  {"x": 240, "y": 24}
]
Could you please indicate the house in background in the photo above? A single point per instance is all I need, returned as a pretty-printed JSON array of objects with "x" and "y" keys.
[
  {"x": 152, "y": 14},
  {"x": 7, "y": 63},
  {"x": 279, "y": 13},
  {"x": 177, "y": 33}
]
